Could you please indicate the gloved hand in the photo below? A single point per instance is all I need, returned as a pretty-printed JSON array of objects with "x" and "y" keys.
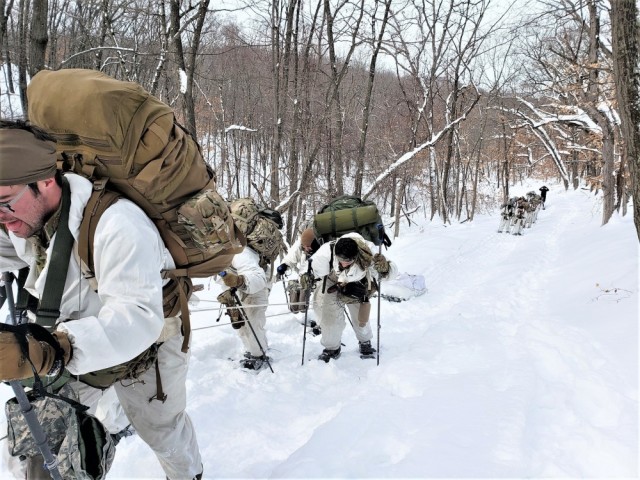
[
  {"x": 226, "y": 298},
  {"x": 14, "y": 365},
  {"x": 306, "y": 281},
  {"x": 282, "y": 268},
  {"x": 230, "y": 279},
  {"x": 381, "y": 264},
  {"x": 357, "y": 290}
]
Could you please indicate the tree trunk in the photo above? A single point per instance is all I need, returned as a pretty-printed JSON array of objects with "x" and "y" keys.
[
  {"x": 23, "y": 18},
  {"x": 38, "y": 36},
  {"x": 626, "y": 58},
  {"x": 366, "y": 113}
]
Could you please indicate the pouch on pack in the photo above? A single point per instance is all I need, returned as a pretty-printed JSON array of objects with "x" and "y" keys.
[{"x": 260, "y": 226}]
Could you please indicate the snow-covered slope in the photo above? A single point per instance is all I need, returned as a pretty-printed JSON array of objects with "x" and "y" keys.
[{"x": 521, "y": 360}]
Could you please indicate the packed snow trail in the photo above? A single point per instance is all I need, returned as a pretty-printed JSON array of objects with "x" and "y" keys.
[{"x": 520, "y": 361}]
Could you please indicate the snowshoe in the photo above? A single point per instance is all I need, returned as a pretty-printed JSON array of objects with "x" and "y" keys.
[
  {"x": 251, "y": 362},
  {"x": 327, "y": 355},
  {"x": 367, "y": 350}
]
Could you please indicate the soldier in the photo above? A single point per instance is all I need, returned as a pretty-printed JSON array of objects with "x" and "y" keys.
[
  {"x": 347, "y": 269},
  {"x": 95, "y": 330}
]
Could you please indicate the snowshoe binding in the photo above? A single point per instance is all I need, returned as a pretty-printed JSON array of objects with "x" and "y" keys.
[
  {"x": 327, "y": 355},
  {"x": 251, "y": 362},
  {"x": 367, "y": 350}
]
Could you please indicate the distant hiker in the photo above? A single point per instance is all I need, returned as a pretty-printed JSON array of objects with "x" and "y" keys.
[
  {"x": 296, "y": 259},
  {"x": 117, "y": 332},
  {"x": 348, "y": 270},
  {"x": 252, "y": 286},
  {"x": 543, "y": 194}
]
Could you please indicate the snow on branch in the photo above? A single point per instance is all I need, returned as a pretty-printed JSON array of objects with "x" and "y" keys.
[
  {"x": 407, "y": 157},
  {"x": 231, "y": 128},
  {"x": 537, "y": 128},
  {"x": 580, "y": 117}
]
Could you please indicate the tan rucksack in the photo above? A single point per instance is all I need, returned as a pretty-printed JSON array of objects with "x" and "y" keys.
[
  {"x": 261, "y": 227},
  {"x": 128, "y": 142}
]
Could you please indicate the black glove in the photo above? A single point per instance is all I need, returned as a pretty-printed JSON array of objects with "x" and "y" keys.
[
  {"x": 357, "y": 290},
  {"x": 281, "y": 270}
]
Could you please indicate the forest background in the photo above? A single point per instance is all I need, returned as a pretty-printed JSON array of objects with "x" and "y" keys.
[{"x": 427, "y": 107}]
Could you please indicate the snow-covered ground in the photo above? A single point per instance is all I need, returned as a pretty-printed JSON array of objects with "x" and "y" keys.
[{"x": 520, "y": 361}]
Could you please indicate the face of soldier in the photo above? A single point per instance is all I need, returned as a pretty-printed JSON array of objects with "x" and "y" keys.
[{"x": 23, "y": 212}]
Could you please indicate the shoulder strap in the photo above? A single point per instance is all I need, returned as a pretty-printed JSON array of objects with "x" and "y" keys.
[
  {"x": 24, "y": 300},
  {"x": 100, "y": 200},
  {"x": 49, "y": 308}
]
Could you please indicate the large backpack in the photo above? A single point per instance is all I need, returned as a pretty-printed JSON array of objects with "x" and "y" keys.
[
  {"x": 348, "y": 214},
  {"x": 260, "y": 226},
  {"x": 129, "y": 144}
]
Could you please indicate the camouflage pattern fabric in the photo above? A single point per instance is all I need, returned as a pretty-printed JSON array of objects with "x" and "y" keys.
[
  {"x": 296, "y": 296},
  {"x": 266, "y": 239},
  {"x": 244, "y": 212},
  {"x": 130, "y": 370},
  {"x": 365, "y": 256},
  {"x": 87, "y": 450},
  {"x": 83, "y": 447},
  {"x": 52, "y": 414},
  {"x": 262, "y": 233},
  {"x": 204, "y": 216}
]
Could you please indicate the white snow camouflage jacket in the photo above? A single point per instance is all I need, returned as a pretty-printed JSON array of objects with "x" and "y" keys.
[
  {"x": 321, "y": 264},
  {"x": 125, "y": 317}
]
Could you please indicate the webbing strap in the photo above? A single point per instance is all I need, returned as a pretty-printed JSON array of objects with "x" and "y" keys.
[
  {"x": 183, "y": 301},
  {"x": 99, "y": 201},
  {"x": 49, "y": 308},
  {"x": 24, "y": 299},
  {"x": 160, "y": 395}
]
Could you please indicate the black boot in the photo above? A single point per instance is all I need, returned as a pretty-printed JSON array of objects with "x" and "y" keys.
[
  {"x": 254, "y": 363},
  {"x": 327, "y": 355},
  {"x": 366, "y": 348}
]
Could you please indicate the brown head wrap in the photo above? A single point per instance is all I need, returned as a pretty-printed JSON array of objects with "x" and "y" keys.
[
  {"x": 23, "y": 158},
  {"x": 307, "y": 237}
]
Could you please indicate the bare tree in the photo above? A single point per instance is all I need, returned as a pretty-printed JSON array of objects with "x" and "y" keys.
[
  {"x": 186, "y": 59},
  {"x": 377, "y": 38},
  {"x": 38, "y": 36},
  {"x": 626, "y": 58},
  {"x": 571, "y": 69}
]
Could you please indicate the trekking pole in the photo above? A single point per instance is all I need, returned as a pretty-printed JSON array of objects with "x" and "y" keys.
[
  {"x": 348, "y": 316},
  {"x": 3, "y": 291},
  {"x": 30, "y": 416},
  {"x": 380, "y": 228},
  {"x": 286, "y": 294},
  {"x": 307, "y": 296}
]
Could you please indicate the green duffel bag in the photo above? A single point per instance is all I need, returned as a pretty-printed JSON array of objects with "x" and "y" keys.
[{"x": 346, "y": 214}]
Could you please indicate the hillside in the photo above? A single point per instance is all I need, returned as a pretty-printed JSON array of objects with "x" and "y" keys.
[{"x": 520, "y": 361}]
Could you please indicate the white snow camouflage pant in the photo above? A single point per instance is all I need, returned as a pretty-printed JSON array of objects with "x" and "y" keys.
[
  {"x": 258, "y": 318},
  {"x": 332, "y": 318}
]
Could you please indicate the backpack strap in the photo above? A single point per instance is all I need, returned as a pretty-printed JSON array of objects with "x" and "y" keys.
[
  {"x": 324, "y": 280},
  {"x": 24, "y": 300},
  {"x": 100, "y": 200},
  {"x": 49, "y": 308}
]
